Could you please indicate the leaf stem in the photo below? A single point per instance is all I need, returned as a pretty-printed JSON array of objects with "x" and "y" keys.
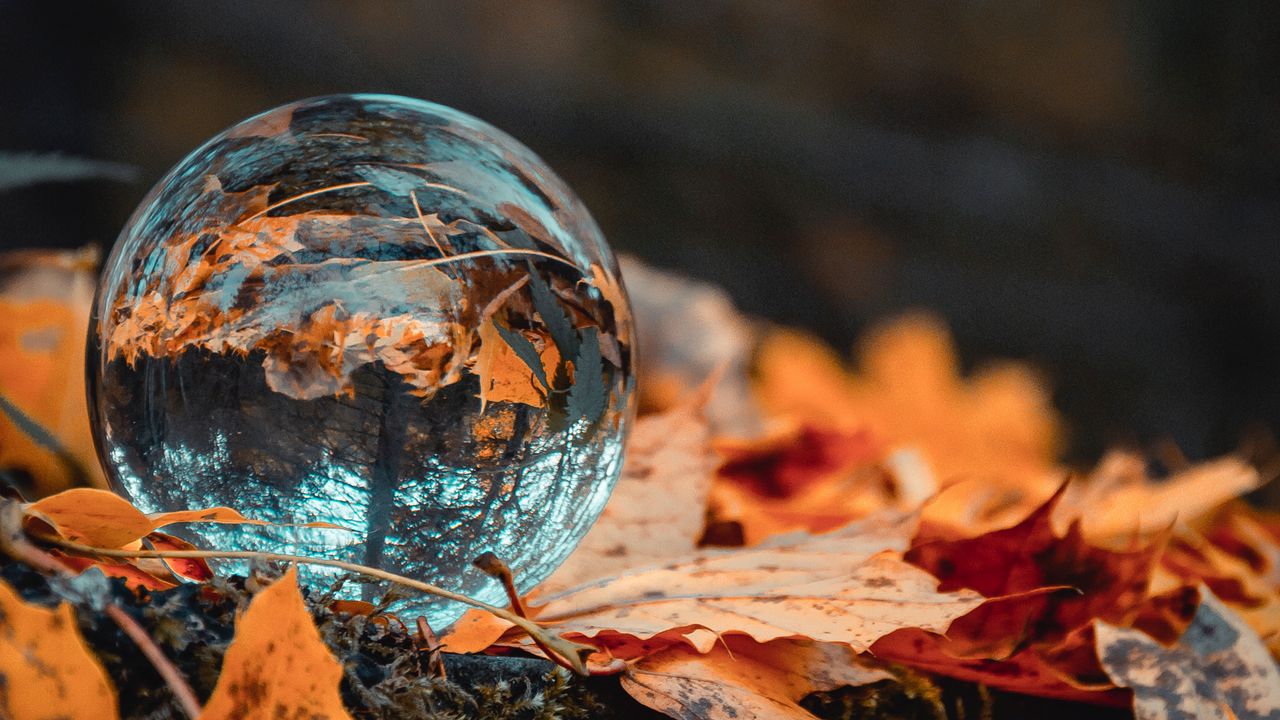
[{"x": 171, "y": 674}]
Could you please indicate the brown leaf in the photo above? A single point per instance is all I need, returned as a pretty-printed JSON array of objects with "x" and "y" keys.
[
  {"x": 46, "y": 671},
  {"x": 277, "y": 665},
  {"x": 1219, "y": 669},
  {"x": 744, "y": 680}
]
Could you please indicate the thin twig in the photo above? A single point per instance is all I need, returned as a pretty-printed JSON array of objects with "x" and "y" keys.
[
  {"x": 573, "y": 653},
  {"x": 496, "y": 568},
  {"x": 172, "y": 675},
  {"x": 303, "y": 196},
  {"x": 431, "y": 644},
  {"x": 422, "y": 219}
]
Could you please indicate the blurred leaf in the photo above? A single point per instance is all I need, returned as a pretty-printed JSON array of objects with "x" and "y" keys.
[
  {"x": 24, "y": 169},
  {"x": 46, "y": 671}
]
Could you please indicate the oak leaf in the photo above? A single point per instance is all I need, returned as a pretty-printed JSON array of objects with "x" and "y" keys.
[
  {"x": 277, "y": 665},
  {"x": 46, "y": 671},
  {"x": 744, "y": 680}
]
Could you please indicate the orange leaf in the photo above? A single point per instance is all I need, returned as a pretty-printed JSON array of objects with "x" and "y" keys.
[
  {"x": 908, "y": 390},
  {"x": 190, "y": 568},
  {"x": 42, "y": 347},
  {"x": 474, "y": 631},
  {"x": 46, "y": 671},
  {"x": 744, "y": 680},
  {"x": 225, "y": 516},
  {"x": 504, "y": 376},
  {"x": 95, "y": 517},
  {"x": 277, "y": 665}
]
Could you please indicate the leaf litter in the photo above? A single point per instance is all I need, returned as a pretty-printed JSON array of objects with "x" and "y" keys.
[{"x": 897, "y": 535}]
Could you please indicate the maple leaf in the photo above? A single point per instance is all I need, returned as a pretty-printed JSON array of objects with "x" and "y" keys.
[
  {"x": 998, "y": 425},
  {"x": 277, "y": 665},
  {"x": 849, "y": 586},
  {"x": 800, "y": 477},
  {"x": 1218, "y": 669},
  {"x": 1108, "y": 584},
  {"x": 46, "y": 670},
  {"x": 744, "y": 680}
]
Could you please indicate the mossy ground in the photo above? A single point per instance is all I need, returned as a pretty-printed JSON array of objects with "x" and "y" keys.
[{"x": 388, "y": 677}]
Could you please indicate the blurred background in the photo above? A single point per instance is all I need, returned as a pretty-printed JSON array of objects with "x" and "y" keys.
[{"x": 1091, "y": 186}]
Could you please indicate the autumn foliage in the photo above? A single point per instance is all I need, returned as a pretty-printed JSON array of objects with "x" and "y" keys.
[{"x": 893, "y": 518}]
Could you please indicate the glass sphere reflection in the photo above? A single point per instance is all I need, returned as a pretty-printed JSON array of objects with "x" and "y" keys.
[{"x": 375, "y": 312}]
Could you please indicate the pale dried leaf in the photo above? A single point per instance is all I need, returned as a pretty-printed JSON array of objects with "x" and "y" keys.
[
  {"x": 744, "y": 680},
  {"x": 1219, "y": 667}
]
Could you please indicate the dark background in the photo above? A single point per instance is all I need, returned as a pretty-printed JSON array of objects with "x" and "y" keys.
[{"x": 1093, "y": 186}]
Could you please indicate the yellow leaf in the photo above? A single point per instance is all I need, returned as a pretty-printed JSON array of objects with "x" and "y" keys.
[
  {"x": 95, "y": 517},
  {"x": 46, "y": 672},
  {"x": 744, "y": 680},
  {"x": 277, "y": 666}
]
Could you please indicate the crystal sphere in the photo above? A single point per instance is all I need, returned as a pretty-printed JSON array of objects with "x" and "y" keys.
[{"x": 374, "y": 312}]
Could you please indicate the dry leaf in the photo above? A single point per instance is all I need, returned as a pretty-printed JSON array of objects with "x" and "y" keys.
[
  {"x": 744, "y": 680},
  {"x": 799, "y": 477},
  {"x": 95, "y": 517},
  {"x": 850, "y": 586},
  {"x": 658, "y": 508},
  {"x": 1119, "y": 499},
  {"x": 1219, "y": 669},
  {"x": 475, "y": 631},
  {"x": 277, "y": 666},
  {"x": 46, "y": 671},
  {"x": 196, "y": 569},
  {"x": 45, "y": 298},
  {"x": 690, "y": 330},
  {"x": 999, "y": 425},
  {"x": 504, "y": 375}
]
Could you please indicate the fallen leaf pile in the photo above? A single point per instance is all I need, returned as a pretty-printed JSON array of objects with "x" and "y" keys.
[{"x": 887, "y": 521}]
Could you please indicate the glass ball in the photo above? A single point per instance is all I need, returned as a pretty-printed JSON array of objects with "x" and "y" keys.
[{"x": 374, "y": 312}]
